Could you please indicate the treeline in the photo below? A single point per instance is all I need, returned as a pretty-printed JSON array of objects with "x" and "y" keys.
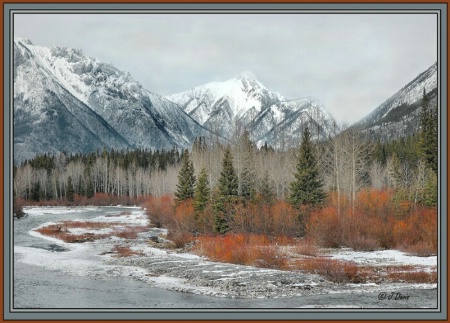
[
  {"x": 344, "y": 164},
  {"x": 64, "y": 177}
]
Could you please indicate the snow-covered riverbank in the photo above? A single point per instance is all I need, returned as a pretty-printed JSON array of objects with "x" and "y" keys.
[{"x": 188, "y": 273}]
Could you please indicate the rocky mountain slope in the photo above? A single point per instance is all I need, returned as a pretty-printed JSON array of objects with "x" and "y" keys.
[
  {"x": 243, "y": 102},
  {"x": 65, "y": 101},
  {"x": 399, "y": 115}
]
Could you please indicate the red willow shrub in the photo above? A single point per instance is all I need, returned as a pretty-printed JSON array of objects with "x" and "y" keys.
[
  {"x": 160, "y": 210},
  {"x": 324, "y": 227},
  {"x": 375, "y": 222},
  {"x": 244, "y": 249},
  {"x": 277, "y": 219},
  {"x": 337, "y": 271}
]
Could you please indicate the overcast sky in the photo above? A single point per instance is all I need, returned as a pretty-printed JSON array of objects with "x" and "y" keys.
[{"x": 350, "y": 62}]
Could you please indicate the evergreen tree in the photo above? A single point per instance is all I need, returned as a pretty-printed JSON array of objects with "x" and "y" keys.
[
  {"x": 81, "y": 187},
  {"x": 429, "y": 134},
  {"x": 36, "y": 192},
  {"x": 89, "y": 188},
  {"x": 226, "y": 193},
  {"x": 186, "y": 179},
  {"x": 431, "y": 190},
  {"x": 70, "y": 190},
  {"x": 266, "y": 190},
  {"x": 245, "y": 165},
  {"x": 202, "y": 192},
  {"x": 228, "y": 181},
  {"x": 248, "y": 184},
  {"x": 306, "y": 189}
]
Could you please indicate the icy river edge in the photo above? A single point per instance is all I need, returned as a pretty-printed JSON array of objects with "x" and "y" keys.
[{"x": 229, "y": 285}]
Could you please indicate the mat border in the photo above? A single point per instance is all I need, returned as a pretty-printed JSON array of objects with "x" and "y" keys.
[{"x": 232, "y": 314}]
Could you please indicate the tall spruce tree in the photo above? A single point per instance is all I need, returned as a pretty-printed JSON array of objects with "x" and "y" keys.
[
  {"x": 89, "y": 188},
  {"x": 245, "y": 165},
  {"x": 266, "y": 191},
  {"x": 307, "y": 188},
  {"x": 429, "y": 133},
  {"x": 186, "y": 179},
  {"x": 227, "y": 191},
  {"x": 202, "y": 192}
]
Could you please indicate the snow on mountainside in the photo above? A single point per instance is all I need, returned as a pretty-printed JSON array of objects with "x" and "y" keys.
[
  {"x": 243, "y": 101},
  {"x": 399, "y": 115},
  {"x": 64, "y": 100}
]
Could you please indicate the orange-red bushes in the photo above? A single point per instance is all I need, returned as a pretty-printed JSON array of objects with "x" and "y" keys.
[
  {"x": 364, "y": 232},
  {"x": 285, "y": 219},
  {"x": 375, "y": 221},
  {"x": 101, "y": 199},
  {"x": 245, "y": 249},
  {"x": 418, "y": 233},
  {"x": 160, "y": 210},
  {"x": 247, "y": 219},
  {"x": 324, "y": 227},
  {"x": 412, "y": 277},
  {"x": 184, "y": 217},
  {"x": 374, "y": 202},
  {"x": 306, "y": 247},
  {"x": 334, "y": 270},
  {"x": 181, "y": 220},
  {"x": 182, "y": 225},
  {"x": 277, "y": 219},
  {"x": 340, "y": 201}
]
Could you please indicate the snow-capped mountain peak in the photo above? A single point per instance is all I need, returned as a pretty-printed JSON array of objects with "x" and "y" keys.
[{"x": 243, "y": 101}]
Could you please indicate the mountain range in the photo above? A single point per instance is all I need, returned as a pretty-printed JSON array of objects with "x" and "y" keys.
[{"x": 66, "y": 101}]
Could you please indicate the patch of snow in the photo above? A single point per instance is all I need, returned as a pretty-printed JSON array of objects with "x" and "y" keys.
[
  {"x": 187, "y": 256},
  {"x": 36, "y": 211},
  {"x": 383, "y": 257},
  {"x": 80, "y": 231},
  {"x": 151, "y": 251}
]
